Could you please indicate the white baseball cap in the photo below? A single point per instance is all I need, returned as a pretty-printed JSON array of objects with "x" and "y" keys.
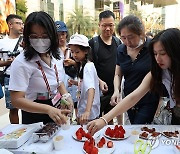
[{"x": 78, "y": 39}]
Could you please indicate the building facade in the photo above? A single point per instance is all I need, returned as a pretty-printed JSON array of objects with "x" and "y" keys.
[{"x": 156, "y": 14}]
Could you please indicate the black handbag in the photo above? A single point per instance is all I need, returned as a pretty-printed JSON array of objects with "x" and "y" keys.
[
  {"x": 2, "y": 76},
  {"x": 71, "y": 71}
]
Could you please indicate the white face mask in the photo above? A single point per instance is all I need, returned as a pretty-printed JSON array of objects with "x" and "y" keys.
[
  {"x": 40, "y": 45},
  {"x": 139, "y": 44}
]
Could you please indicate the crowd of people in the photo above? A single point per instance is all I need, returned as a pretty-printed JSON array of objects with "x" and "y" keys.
[{"x": 100, "y": 78}]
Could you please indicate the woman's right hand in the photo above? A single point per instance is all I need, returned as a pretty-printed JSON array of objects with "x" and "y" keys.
[
  {"x": 58, "y": 115},
  {"x": 115, "y": 98},
  {"x": 95, "y": 125}
]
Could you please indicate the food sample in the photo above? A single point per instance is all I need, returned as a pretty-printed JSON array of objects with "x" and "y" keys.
[
  {"x": 155, "y": 134},
  {"x": 15, "y": 134},
  {"x": 115, "y": 133},
  {"x": 144, "y": 135},
  {"x": 90, "y": 147},
  {"x": 17, "y": 137},
  {"x": 171, "y": 134},
  {"x": 46, "y": 132},
  {"x": 148, "y": 130}
]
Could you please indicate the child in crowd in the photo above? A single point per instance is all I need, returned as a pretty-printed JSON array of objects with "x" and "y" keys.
[{"x": 88, "y": 83}]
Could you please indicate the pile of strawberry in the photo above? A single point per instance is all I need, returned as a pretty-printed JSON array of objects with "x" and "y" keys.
[
  {"x": 90, "y": 146},
  {"x": 80, "y": 133},
  {"x": 116, "y": 132}
]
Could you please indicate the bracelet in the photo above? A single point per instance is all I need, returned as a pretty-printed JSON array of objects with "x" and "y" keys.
[
  {"x": 104, "y": 120},
  {"x": 66, "y": 95}
]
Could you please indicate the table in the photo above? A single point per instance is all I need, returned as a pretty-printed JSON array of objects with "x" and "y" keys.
[{"x": 75, "y": 147}]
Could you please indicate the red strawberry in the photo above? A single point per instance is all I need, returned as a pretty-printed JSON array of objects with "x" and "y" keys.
[
  {"x": 92, "y": 141},
  {"x": 111, "y": 134},
  {"x": 108, "y": 130},
  {"x": 122, "y": 130},
  {"x": 117, "y": 134},
  {"x": 86, "y": 143},
  {"x": 79, "y": 136},
  {"x": 103, "y": 140},
  {"x": 100, "y": 144},
  {"x": 120, "y": 127},
  {"x": 121, "y": 135},
  {"x": 83, "y": 133},
  {"x": 109, "y": 144},
  {"x": 88, "y": 135},
  {"x": 80, "y": 129},
  {"x": 94, "y": 150},
  {"x": 88, "y": 149},
  {"x": 77, "y": 132},
  {"x": 116, "y": 127}
]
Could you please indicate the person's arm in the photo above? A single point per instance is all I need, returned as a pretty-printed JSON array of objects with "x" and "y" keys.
[
  {"x": 85, "y": 116},
  {"x": 19, "y": 101},
  {"x": 122, "y": 107},
  {"x": 117, "y": 86},
  {"x": 69, "y": 62},
  {"x": 62, "y": 90},
  {"x": 103, "y": 86},
  {"x": 7, "y": 62},
  {"x": 72, "y": 82}
]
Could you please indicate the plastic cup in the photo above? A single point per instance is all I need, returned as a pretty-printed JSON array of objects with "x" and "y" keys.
[
  {"x": 134, "y": 136},
  {"x": 67, "y": 125},
  {"x": 58, "y": 142}
]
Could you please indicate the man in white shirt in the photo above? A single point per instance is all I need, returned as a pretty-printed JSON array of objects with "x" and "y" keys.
[{"x": 8, "y": 44}]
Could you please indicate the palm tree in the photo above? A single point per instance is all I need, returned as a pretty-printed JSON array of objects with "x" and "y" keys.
[{"x": 80, "y": 22}]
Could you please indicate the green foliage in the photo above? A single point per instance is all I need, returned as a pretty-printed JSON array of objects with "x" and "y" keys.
[
  {"x": 21, "y": 8},
  {"x": 80, "y": 22},
  {"x": 137, "y": 13}
]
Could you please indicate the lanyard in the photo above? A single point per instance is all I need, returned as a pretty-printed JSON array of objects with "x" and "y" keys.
[{"x": 45, "y": 78}]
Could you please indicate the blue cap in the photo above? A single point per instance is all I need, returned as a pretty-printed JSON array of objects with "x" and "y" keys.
[{"x": 61, "y": 26}]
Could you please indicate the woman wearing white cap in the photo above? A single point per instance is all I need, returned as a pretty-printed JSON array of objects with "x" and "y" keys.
[{"x": 88, "y": 83}]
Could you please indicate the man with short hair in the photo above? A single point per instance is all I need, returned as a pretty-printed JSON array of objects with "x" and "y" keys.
[
  {"x": 8, "y": 44},
  {"x": 105, "y": 57}
]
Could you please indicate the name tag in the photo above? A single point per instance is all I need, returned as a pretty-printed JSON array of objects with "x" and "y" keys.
[
  {"x": 56, "y": 101},
  {"x": 43, "y": 96}
]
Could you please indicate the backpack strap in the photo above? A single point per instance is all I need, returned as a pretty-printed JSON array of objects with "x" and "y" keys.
[
  {"x": 96, "y": 45},
  {"x": 117, "y": 40}
]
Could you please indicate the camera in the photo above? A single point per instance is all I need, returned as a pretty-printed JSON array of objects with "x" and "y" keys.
[{"x": 13, "y": 54}]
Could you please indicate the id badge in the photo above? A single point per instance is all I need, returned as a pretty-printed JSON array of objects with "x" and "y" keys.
[
  {"x": 42, "y": 96},
  {"x": 56, "y": 101}
]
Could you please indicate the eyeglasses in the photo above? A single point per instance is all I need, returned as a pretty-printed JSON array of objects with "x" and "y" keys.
[
  {"x": 19, "y": 23},
  {"x": 107, "y": 25},
  {"x": 34, "y": 36}
]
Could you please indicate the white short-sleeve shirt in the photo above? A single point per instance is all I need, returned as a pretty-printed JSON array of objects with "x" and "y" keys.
[
  {"x": 27, "y": 77},
  {"x": 90, "y": 80},
  {"x": 8, "y": 44}
]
